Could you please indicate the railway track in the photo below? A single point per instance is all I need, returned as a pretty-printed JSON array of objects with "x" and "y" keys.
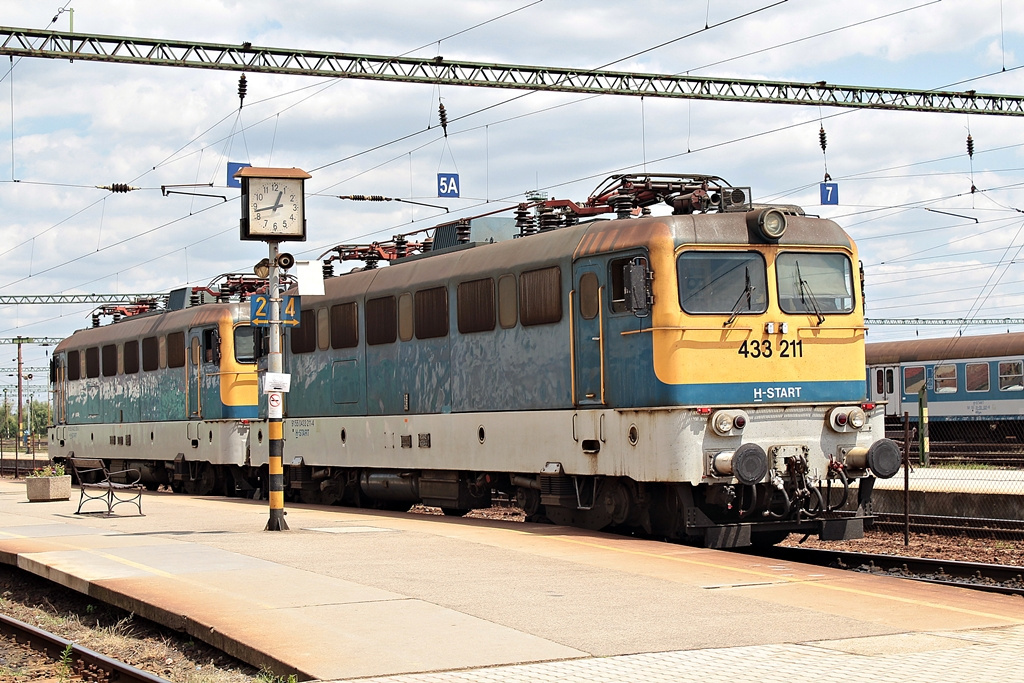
[
  {"x": 77, "y": 661},
  {"x": 978, "y": 527},
  {"x": 993, "y": 578}
]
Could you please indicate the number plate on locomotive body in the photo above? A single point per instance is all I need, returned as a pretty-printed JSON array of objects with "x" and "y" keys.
[{"x": 768, "y": 348}]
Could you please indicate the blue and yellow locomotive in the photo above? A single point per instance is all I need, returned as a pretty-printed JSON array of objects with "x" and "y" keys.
[
  {"x": 698, "y": 375},
  {"x": 170, "y": 393}
]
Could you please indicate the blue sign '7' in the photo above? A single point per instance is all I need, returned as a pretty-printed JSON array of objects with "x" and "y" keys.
[{"x": 830, "y": 193}]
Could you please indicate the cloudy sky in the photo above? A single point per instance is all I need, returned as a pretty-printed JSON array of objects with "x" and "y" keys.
[{"x": 930, "y": 247}]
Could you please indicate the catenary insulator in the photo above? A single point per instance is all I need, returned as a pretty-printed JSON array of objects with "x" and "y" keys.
[
  {"x": 241, "y": 90},
  {"x": 444, "y": 118},
  {"x": 822, "y": 138},
  {"x": 970, "y": 146}
]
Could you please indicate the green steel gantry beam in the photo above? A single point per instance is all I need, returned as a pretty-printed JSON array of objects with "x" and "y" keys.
[
  {"x": 944, "y": 321},
  {"x": 21, "y": 42},
  {"x": 115, "y": 299}
]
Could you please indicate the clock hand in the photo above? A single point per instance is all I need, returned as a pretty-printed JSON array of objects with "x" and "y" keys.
[{"x": 276, "y": 205}]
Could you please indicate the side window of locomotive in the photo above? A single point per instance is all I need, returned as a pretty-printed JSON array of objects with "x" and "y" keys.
[
  {"x": 131, "y": 357},
  {"x": 323, "y": 329},
  {"x": 475, "y": 306},
  {"x": 108, "y": 358},
  {"x": 150, "y": 354},
  {"x": 245, "y": 344},
  {"x": 92, "y": 362},
  {"x": 722, "y": 282},
  {"x": 303, "y": 337},
  {"x": 195, "y": 351},
  {"x": 74, "y": 366},
  {"x": 540, "y": 296},
  {"x": 508, "y": 301},
  {"x": 617, "y": 283},
  {"x": 405, "y": 317},
  {"x": 945, "y": 379},
  {"x": 176, "y": 350},
  {"x": 590, "y": 296},
  {"x": 977, "y": 378},
  {"x": 431, "y": 311},
  {"x": 1011, "y": 375},
  {"x": 913, "y": 379},
  {"x": 344, "y": 326},
  {"x": 381, "y": 320},
  {"x": 813, "y": 282}
]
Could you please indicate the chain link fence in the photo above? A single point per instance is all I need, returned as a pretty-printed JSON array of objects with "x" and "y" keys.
[{"x": 964, "y": 477}]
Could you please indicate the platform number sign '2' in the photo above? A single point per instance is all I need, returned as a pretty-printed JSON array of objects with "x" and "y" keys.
[
  {"x": 448, "y": 185},
  {"x": 830, "y": 193}
]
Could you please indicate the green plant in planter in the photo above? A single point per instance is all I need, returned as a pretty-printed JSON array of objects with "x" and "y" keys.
[{"x": 56, "y": 470}]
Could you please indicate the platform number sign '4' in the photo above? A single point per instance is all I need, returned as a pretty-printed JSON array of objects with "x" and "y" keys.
[
  {"x": 448, "y": 185},
  {"x": 830, "y": 193}
]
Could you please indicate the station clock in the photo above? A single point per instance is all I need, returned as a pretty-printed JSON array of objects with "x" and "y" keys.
[{"x": 273, "y": 204}]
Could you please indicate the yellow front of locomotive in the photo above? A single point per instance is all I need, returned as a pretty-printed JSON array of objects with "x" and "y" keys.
[{"x": 758, "y": 333}]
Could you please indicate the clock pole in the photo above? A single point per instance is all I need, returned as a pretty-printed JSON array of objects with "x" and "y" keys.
[
  {"x": 275, "y": 412},
  {"x": 273, "y": 210}
]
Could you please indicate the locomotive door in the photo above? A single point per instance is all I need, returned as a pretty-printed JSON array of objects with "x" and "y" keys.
[
  {"x": 194, "y": 391},
  {"x": 589, "y": 336},
  {"x": 885, "y": 386}
]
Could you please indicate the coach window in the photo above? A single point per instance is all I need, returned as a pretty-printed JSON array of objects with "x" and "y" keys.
[
  {"x": 176, "y": 350},
  {"x": 889, "y": 389},
  {"x": 131, "y": 357},
  {"x": 475, "y": 306},
  {"x": 108, "y": 358},
  {"x": 722, "y": 282},
  {"x": 1011, "y": 376},
  {"x": 540, "y": 296},
  {"x": 976, "y": 377},
  {"x": 945, "y": 379},
  {"x": 814, "y": 283},
  {"x": 879, "y": 386},
  {"x": 323, "y": 329},
  {"x": 74, "y": 366},
  {"x": 150, "y": 354},
  {"x": 381, "y": 320},
  {"x": 303, "y": 337},
  {"x": 508, "y": 301},
  {"x": 590, "y": 296},
  {"x": 344, "y": 326},
  {"x": 92, "y": 362},
  {"x": 431, "y": 311},
  {"x": 913, "y": 379}
]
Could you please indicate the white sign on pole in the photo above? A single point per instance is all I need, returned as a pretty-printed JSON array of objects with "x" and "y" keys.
[
  {"x": 276, "y": 381},
  {"x": 310, "y": 275}
]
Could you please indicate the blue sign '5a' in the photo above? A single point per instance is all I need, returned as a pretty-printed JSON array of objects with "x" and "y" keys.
[{"x": 447, "y": 184}]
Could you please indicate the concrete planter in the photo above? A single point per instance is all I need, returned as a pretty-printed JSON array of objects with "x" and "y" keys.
[{"x": 48, "y": 488}]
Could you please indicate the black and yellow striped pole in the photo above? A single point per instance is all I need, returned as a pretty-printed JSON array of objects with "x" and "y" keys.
[{"x": 275, "y": 401}]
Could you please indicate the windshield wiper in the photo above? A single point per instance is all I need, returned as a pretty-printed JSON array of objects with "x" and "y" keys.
[
  {"x": 748, "y": 290},
  {"x": 806, "y": 293}
]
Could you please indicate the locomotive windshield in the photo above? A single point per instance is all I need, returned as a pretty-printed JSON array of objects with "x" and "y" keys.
[
  {"x": 245, "y": 346},
  {"x": 814, "y": 283},
  {"x": 728, "y": 282}
]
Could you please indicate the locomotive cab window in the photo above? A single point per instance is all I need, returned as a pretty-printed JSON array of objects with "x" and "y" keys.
[
  {"x": 1011, "y": 376},
  {"x": 245, "y": 344},
  {"x": 814, "y": 283},
  {"x": 977, "y": 377},
  {"x": 913, "y": 379},
  {"x": 722, "y": 282},
  {"x": 590, "y": 296}
]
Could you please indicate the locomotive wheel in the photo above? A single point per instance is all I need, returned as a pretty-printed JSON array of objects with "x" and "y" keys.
[{"x": 205, "y": 481}]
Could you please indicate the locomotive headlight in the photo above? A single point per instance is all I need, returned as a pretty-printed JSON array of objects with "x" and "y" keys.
[
  {"x": 846, "y": 418},
  {"x": 728, "y": 422},
  {"x": 770, "y": 223}
]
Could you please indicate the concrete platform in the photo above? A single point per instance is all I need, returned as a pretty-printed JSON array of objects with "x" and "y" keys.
[{"x": 353, "y": 594}]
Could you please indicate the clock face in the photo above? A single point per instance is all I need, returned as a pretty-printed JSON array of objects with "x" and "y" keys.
[{"x": 275, "y": 207}]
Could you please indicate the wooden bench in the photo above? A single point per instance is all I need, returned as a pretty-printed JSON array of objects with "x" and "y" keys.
[{"x": 98, "y": 483}]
